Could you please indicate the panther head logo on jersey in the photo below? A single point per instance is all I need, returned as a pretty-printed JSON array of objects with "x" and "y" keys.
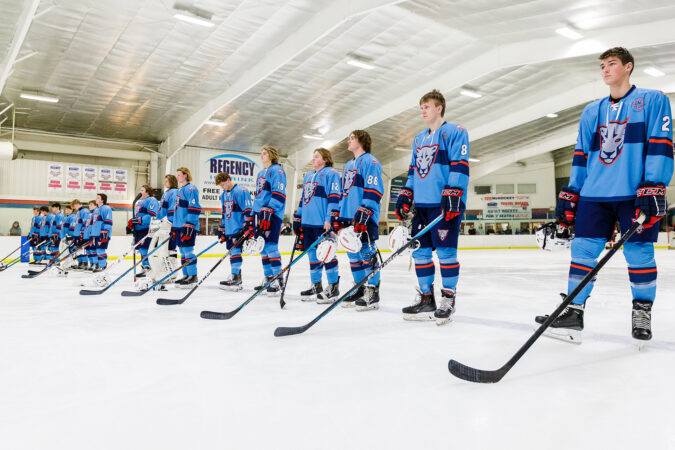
[
  {"x": 612, "y": 138},
  {"x": 424, "y": 159},
  {"x": 260, "y": 184},
  {"x": 308, "y": 190},
  {"x": 350, "y": 175},
  {"x": 227, "y": 206}
]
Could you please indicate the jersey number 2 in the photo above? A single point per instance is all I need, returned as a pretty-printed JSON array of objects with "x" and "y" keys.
[{"x": 666, "y": 123}]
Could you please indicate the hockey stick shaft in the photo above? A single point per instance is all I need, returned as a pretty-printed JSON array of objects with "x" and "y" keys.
[
  {"x": 282, "y": 303},
  {"x": 288, "y": 331},
  {"x": 55, "y": 259},
  {"x": 169, "y": 301},
  {"x": 194, "y": 258},
  {"x": 230, "y": 314},
  {"x": 125, "y": 254},
  {"x": 492, "y": 376},
  {"x": 101, "y": 291},
  {"x": 15, "y": 250}
]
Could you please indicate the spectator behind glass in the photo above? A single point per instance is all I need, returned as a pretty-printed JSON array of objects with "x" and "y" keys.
[{"x": 15, "y": 230}]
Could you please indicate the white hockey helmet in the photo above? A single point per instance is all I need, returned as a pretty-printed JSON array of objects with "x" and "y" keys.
[
  {"x": 350, "y": 240},
  {"x": 254, "y": 246},
  {"x": 327, "y": 248},
  {"x": 553, "y": 237},
  {"x": 399, "y": 237}
]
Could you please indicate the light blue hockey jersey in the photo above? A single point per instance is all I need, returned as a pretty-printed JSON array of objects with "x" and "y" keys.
[
  {"x": 101, "y": 220},
  {"x": 82, "y": 215},
  {"x": 622, "y": 144},
  {"x": 361, "y": 186},
  {"x": 57, "y": 224},
  {"x": 88, "y": 224},
  {"x": 187, "y": 207},
  {"x": 69, "y": 225},
  {"x": 46, "y": 226},
  {"x": 439, "y": 159},
  {"x": 167, "y": 205},
  {"x": 235, "y": 206},
  {"x": 37, "y": 225},
  {"x": 146, "y": 210},
  {"x": 321, "y": 194},
  {"x": 270, "y": 190}
]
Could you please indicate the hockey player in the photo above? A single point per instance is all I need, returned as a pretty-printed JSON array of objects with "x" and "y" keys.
[
  {"x": 236, "y": 219},
  {"x": 34, "y": 232},
  {"x": 320, "y": 200},
  {"x": 167, "y": 209},
  {"x": 37, "y": 236},
  {"x": 186, "y": 218},
  {"x": 101, "y": 229},
  {"x": 623, "y": 161},
  {"x": 269, "y": 206},
  {"x": 55, "y": 230},
  {"x": 437, "y": 180},
  {"x": 146, "y": 209},
  {"x": 361, "y": 195},
  {"x": 45, "y": 235},
  {"x": 87, "y": 227}
]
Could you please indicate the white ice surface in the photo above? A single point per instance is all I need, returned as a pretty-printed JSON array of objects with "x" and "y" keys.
[{"x": 109, "y": 372}]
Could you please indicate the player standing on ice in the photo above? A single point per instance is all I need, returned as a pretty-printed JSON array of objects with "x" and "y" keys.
[
  {"x": 34, "y": 232},
  {"x": 319, "y": 206},
  {"x": 361, "y": 195},
  {"x": 269, "y": 206},
  {"x": 146, "y": 209},
  {"x": 85, "y": 235},
  {"x": 45, "y": 235},
  {"x": 236, "y": 219},
  {"x": 623, "y": 161},
  {"x": 437, "y": 181},
  {"x": 101, "y": 227},
  {"x": 167, "y": 209},
  {"x": 186, "y": 218},
  {"x": 55, "y": 231}
]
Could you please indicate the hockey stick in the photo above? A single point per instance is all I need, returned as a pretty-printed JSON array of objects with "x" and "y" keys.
[
  {"x": 178, "y": 301},
  {"x": 493, "y": 376},
  {"x": 289, "y": 331},
  {"x": 54, "y": 260},
  {"x": 120, "y": 258},
  {"x": 282, "y": 303},
  {"x": 228, "y": 315},
  {"x": 143, "y": 291},
  {"x": 101, "y": 291},
  {"x": 16, "y": 260},
  {"x": 14, "y": 251}
]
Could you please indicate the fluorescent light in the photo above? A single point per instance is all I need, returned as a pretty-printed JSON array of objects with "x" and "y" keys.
[
  {"x": 569, "y": 33},
  {"x": 359, "y": 63},
  {"x": 20, "y": 112},
  {"x": 470, "y": 93},
  {"x": 25, "y": 57},
  {"x": 196, "y": 20},
  {"x": 474, "y": 160},
  {"x": 403, "y": 149},
  {"x": 551, "y": 115},
  {"x": 653, "y": 71},
  {"x": 309, "y": 136},
  {"x": 39, "y": 98},
  {"x": 215, "y": 123},
  {"x": 323, "y": 129}
]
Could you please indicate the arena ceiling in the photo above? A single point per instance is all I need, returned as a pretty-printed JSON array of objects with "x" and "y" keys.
[{"x": 276, "y": 71}]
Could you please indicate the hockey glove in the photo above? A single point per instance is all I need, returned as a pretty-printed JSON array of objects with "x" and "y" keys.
[
  {"x": 221, "y": 234},
  {"x": 136, "y": 220},
  {"x": 130, "y": 226},
  {"x": 403, "y": 204},
  {"x": 451, "y": 202},
  {"x": 249, "y": 225},
  {"x": 297, "y": 224},
  {"x": 55, "y": 240},
  {"x": 361, "y": 219},
  {"x": 300, "y": 246},
  {"x": 335, "y": 221},
  {"x": 266, "y": 214},
  {"x": 35, "y": 239},
  {"x": 651, "y": 200},
  {"x": 103, "y": 238},
  {"x": 187, "y": 232},
  {"x": 566, "y": 208}
]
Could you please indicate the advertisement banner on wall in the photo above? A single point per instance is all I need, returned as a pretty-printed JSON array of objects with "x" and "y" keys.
[
  {"x": 73, "y": 179},
  {"x": 105, "y": 187},
  {"x": 89, "y": 185},
  {"x": 242, "y": 170},
  {"x": 120, "y": 189},
  {"x": 120, "y": 175},
  {"x": 55, "y": 178},
  {"x": 105, "y": 174},
  {"x": 506, "y": 207}
]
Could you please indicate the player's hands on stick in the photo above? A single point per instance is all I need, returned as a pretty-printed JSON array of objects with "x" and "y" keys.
[
  {"x": 566, "y": 208},
  {"x": 103, "y": 238},
  {"x": 403, "y": 204},
  {"x": 361, "y": 219},
  {"x": 221, "y": 234},
  {"x": 335, "y": 221},
  {"x": 266, "y": 214},
  {"x": 651, "y": 200},
  {"x": 451, "y": 202},
  {"x": 297, "y": 224},
  {"x": 187, "y": 232}
]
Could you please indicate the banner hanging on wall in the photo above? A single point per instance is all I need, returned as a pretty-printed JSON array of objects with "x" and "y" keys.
[
  {"x": 120, "y": 189},
  {"x": 55, "y": 178},
  {"x": 74, "y": 179},
  {"x": 506, "y": 207},
  {"x": 105, "y": 174},
  {"x": 89, "y": 185},
  {"x": 242, "y": 170},
  {"x": 120, "y": 175}
]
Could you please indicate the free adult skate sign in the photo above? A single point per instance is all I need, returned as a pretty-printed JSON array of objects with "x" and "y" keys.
[{"x": 241, "y": 168}]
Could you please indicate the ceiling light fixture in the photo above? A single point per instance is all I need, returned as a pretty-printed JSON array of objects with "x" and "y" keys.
[
  {"x": 39, "y": 98},
  {"x": 551, "y": 115},
  {"x": 195, "y": 20},
  {"x": 215, "y": 123},
  {"x": 25, "y": 57},
  {"x": 402, "y": 149},
  {"x": 653, "y": 71},
  {"x": 474, "y": 160},
  {"x": 323, "y": 129},
  {"x": 309, "y": 136},
  {"x": 360, "y": 62},
  {"x": 569, "y": 33},
  {"x": 470, "y": 93}
]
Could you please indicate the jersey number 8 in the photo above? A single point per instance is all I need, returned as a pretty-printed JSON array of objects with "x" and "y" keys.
[{"x": 372, "y": 180}]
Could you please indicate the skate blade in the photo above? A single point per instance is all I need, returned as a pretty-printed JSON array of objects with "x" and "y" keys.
[
  {"x": 419, "y": 317},
  {"x": 186, "y": 286},
  {"x": 569, "y": 336},
  {"x": 231, "y": 288},
  {"x": 347, "y": 304},
  {"x": 309, "y": 298},
  {"x": 368, "y": 308},
  {"x": 326, "y": 301},
  {"x": 441, "y": 322},
  {"x": 272, "y": 294}
]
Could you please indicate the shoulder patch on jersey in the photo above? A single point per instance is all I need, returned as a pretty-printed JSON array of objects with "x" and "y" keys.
[
  {"x": 639, "y": 104},
  {"x": 425, "y": 157}
]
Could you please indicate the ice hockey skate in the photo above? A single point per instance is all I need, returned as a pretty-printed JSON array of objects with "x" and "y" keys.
[
  {"x": 423, "y": 309},
  {"x": 330, "y": 294},
  {"x": 567, "y": 326},
  {"x": 447, "y": 307},
  {"x": 310, "y": 294},
  {"x": 349, "y": 302},
  {"x": 233, "y": 283},
  {"x": 370, "y": 299},
  {"x": 642, "y": 322}
]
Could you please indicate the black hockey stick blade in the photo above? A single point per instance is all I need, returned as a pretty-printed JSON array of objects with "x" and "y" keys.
[
  {"x": 28, "y": 276},
  {"x": 290, "y": 331},
  {"x": 92, "y": 292},
  {"x": 35, "y": 272},
  {"x": 474, "y": 375},
  {"x": 133, "y": 293},
  {"x": 213, "y": 315},
  {"x": 171, "y": 301}
]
